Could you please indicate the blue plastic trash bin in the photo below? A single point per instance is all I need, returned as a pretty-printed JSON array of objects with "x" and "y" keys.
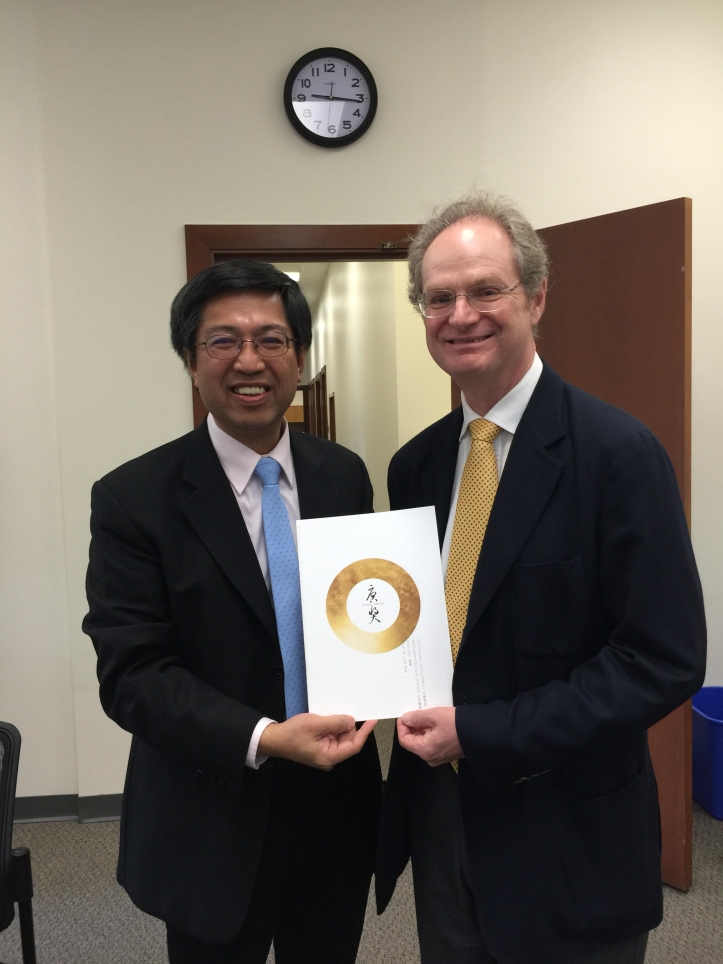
[{"x": 708, "y": 749}]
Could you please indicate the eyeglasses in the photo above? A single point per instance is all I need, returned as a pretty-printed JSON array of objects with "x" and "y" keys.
[
  {"x": 267, "y": 345},
  {"x": 438, "y": 302}
]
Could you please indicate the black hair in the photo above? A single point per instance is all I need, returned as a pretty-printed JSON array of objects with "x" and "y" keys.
[{"x": 230, "y": 277}]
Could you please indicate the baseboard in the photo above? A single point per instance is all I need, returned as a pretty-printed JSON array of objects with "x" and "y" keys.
[
  {"x": 62, "y": 806},
  {"x": 107, "y": 806},
  {"x": 68, "y": 806}
]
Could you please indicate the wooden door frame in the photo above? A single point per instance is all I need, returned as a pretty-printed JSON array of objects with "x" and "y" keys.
[
  {"x": 319, "y": 404},
  {"x": 207, "y": 244}
]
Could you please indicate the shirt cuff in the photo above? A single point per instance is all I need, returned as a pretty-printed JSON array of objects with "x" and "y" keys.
[{"x": 253, "y": 759}]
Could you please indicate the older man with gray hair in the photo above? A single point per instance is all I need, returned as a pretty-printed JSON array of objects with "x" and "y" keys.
[{"x": 529, "y": 808}]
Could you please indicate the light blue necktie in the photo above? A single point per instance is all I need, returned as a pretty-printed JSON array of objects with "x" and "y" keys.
[{"x": 285, "y": 587}]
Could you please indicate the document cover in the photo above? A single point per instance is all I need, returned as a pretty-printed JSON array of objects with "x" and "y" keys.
[{"x": 375, "y": 621}]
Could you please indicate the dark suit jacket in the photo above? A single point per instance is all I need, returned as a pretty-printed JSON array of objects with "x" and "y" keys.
[
  {"x": 585, "y": 627},
  {"x": 189, "y": 662}
]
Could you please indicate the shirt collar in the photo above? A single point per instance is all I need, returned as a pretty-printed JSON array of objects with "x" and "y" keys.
[
  {"x": 510, "y": 408},
  {"x": 239, "y": 461}
]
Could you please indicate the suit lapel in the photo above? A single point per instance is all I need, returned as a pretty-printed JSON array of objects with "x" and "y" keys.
[
  {"x": 439, "y": 483},
  {"x": 318, "y": 489},
  {"x": 213, "y": 512},
  {"x": 530, "y": 475}
]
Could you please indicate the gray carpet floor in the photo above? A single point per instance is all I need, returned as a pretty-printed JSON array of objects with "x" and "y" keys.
[{"x": 82, "y": 916}]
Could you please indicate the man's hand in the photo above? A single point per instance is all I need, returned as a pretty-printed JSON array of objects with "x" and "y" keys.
[
  {"x": 316, "y": 741},
  {"x": 431, "y": 734}
]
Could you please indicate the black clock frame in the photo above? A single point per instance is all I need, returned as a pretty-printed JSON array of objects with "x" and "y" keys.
[{"x": 291, "y": 113}]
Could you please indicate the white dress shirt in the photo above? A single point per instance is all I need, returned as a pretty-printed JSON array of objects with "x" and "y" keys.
[
  {"x": 506, "y": 414},
  {"x": 239, "y": 462}
]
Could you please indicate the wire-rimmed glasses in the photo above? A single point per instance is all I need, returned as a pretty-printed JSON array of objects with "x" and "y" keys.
[
  {"x": 439, "y": 302},
  {"x": 267, "y": 345}
]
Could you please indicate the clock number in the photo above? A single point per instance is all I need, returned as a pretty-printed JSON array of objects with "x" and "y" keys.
[
  {"x": 329, "y": 68},
  {"x": 331, "y": 129},
  {"x": 306, "y": 113},
  {"x": 305, "y": 82},
  {"x": 360, "y": 98},
  {"x": 314, "y": 71},
  {"x": 346, "y": 125},
  {"x": 318, "y": 124},
  {"x": 357, "y": 113},
  {"x": 355, "y": 82},
  {"x": 301, "y": 96}
]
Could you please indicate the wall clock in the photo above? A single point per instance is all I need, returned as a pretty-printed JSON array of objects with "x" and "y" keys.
[{"x": 330, "y": 97}]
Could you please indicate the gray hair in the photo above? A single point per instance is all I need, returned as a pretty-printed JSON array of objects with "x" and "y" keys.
[{"x": 530, "y": 251}]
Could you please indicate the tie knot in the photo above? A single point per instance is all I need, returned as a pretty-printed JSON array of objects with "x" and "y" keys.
[
  {"x": 268, "y": 470},
  {"x": 483, "y": 431}
]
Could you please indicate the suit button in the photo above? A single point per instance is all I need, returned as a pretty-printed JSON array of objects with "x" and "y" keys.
[
  {"x": 222, "y": 784},
  {"x": 279, "y": 672}
]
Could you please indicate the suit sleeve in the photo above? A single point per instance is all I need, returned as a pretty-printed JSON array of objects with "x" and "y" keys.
[
  {"x": 654, "y": 655},
  {"x": 144, "y": 685}
]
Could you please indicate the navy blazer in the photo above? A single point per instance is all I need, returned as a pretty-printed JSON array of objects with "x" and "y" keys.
[
  {"x": 189, "y": 662},
  {"x": 585, "y": 627}
]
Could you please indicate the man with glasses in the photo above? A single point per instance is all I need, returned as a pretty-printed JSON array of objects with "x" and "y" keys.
[
  {"x": 529, "y": 809},
  {"x": 245, "y": 818}
]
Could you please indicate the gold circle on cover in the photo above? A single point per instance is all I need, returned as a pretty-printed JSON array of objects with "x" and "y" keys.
[{"x": 387, "y": 639}]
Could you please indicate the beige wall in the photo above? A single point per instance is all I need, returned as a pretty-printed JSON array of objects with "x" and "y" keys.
[
  {"x": 35, "y": 673},
  {"x": 122, "y": 122}
]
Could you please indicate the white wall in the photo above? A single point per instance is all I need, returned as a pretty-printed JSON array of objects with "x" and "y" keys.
[{"x": 123, "y": 122}]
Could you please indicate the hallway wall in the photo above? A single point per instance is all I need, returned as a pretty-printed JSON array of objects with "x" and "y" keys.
[
  {"x": 386, "y": 387},
  {"x": 354, "y": 337}
]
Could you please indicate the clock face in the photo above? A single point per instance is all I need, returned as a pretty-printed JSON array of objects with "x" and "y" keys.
[{"x": 330, "y": 97}]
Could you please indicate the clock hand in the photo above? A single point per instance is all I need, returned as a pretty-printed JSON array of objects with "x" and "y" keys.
[{"x": 352, "y": 100}]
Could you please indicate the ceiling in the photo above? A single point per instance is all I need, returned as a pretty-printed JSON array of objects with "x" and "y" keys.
[{"x": 311, "y": 281}]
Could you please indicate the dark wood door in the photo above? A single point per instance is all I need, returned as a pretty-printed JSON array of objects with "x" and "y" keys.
[{"x": 617, "y": 324}]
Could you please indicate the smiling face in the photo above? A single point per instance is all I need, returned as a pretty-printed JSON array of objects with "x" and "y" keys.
[
  {"x": 247, "y": 395},
  {"x": 485, "y": 353}
]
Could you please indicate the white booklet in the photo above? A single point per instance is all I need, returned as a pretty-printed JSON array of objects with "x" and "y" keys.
[{"x": 375, "y": 623}]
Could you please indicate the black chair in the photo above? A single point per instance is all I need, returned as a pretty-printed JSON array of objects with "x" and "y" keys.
[{"x": 16, "y": 879}]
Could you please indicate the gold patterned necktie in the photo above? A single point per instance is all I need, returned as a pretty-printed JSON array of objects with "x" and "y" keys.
[{"x": 474, "y": 504}]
